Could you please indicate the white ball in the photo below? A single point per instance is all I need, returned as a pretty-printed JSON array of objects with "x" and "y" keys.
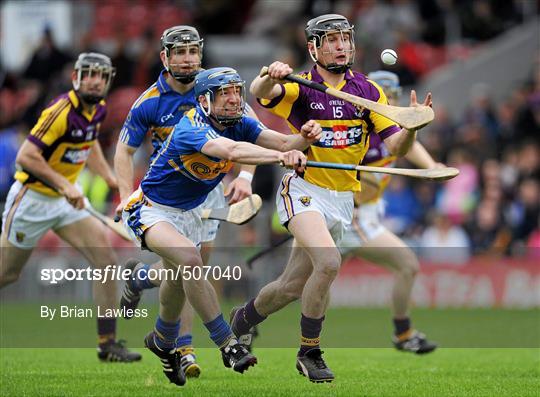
[{"x": 389, "y": 57}]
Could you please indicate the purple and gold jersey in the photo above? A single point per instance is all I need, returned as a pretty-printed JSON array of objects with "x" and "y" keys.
[
  {"x": 345, "y": 137},
  {"x": 378, "y": 155},
  {"x": 181, "y": 176},
  {"x": 66, "y": 134}
]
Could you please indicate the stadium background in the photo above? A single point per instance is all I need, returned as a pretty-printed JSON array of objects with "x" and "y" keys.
[{"x": 478, "y": 236}]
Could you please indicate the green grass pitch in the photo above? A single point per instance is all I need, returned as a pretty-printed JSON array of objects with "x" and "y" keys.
[{"x": 484, "y": 353}]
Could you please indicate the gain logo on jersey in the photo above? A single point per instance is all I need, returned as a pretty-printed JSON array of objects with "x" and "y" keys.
[
  {"x": 305, "y": 200},
  {"x": 76, "y": 156},
  {"x": 340, "y": 136}
]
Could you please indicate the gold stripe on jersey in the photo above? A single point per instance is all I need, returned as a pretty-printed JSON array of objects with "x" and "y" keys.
[
  {"x": 51, "y": 117},
  {"x": 151, "y": 92},
  {"x": 202, "y": 167},
  {"x": 162, "y": 132}
]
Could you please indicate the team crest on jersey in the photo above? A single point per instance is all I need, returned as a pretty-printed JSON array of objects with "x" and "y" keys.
[
  {"x": 305, "y": 200},
  {"x": 19, "y": 236}
]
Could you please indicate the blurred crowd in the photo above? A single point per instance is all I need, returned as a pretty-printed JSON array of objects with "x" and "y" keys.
[{"x": 492, "y": 207}]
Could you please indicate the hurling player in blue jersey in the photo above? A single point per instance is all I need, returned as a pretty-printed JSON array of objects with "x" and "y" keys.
[
  {"x": 157, "y": 111},
  {"x": 164, "y": 214}
]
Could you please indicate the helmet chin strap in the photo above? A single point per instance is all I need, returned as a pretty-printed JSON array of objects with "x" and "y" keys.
[
  {"x": 90, "y": 99},
  {"x": 180, "y": 77}
]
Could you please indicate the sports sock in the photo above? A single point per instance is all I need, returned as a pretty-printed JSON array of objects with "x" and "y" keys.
[
  {"x": 401, "y": 325},
  {"x": 167, "y": 334},
  {"x": 311, "y": 329},
  {"x": 106, "y": 328},
  {"x": 184, "y": 341},
  {"x": 220, "y": 331},
  {"x": 247, "y": 317},
  {"x": 140, "y": 278}
]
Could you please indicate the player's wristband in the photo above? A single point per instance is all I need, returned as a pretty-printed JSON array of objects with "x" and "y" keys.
[{"x": 246, "y": 175}]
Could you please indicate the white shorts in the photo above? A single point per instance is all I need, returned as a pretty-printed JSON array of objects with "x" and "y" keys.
[
  {"x": 295, "y": 196},
  {"x": 366, "y": 226},
  {"x": 140, "y": 214},
  {"x": 215, "y": 199},
  {"x": 28, "y": 215}
]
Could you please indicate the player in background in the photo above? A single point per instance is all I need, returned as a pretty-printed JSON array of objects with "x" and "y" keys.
[
  {"x": 319, "y": 200},
  {"x": 157, "y": 111},
  {"x": 164, "y": 214},
  {"x": 57, "y": 149},
  {"x": 369, "y": 239}
]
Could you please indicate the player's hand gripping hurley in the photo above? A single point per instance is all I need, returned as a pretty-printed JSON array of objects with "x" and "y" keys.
[{"x": 411, "y": 118}]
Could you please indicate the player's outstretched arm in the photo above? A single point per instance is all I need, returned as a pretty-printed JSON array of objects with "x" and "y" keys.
[
  {"x": 268, "y": 86},
  {"x": 99, "y": 165},
  {"x": 310, "y": 132},
  {"x": 419, "y": 156},
  {"x": 248, "y": 153},
  {"x": 123, "y": 165}
]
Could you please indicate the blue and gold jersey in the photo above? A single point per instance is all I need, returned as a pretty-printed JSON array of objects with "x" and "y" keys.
[
  {"x": 346, "y": 134},
  {"x": 157, "y": 111},
  {"x": 65, "y": 133},
  {"x": 181, "y": 176}
]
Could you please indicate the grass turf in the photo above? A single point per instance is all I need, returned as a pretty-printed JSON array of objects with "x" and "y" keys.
[
  {"x": 486, "y": 353},
  {"x": 359, "y": 372}
]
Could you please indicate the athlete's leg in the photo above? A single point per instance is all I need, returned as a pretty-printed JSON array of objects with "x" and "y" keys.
[
  {"x": 88, "y": 236},
  {"x": 178, "y": 251},
  {"x": 390, "y": 251},
  {"x": 404, "y": 263},
  {"x": 12, "y": 261},
  {"x": 325, "y": 258},
  {"x": 289, "y": 285}
]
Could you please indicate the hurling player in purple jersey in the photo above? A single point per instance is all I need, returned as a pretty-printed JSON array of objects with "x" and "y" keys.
[
  {"x": 368, "y": 238},
  {"x": 59, "y": 146},
  {"x": 319, "y": 199}
]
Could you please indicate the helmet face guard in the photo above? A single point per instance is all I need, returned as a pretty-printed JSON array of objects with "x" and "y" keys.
[
  {"x": 177, "y": 40},
  {"x": 209, "y": 83},
  {"x": 319, "y": 28},
  {"x": 88, "y": 66},
  {"x": 388, "y": 81}
]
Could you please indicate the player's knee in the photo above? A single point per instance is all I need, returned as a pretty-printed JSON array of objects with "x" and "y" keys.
[
  {"x": 328, "y": 265},
  {"x": 409, "y": 265},
  {"x": 192, "y": 261},
  {"x": 8, "y": 277}
]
